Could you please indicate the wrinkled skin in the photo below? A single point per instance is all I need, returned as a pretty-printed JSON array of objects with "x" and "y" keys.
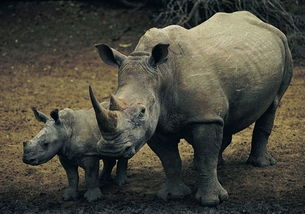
[
  {"x": 203, "y": 85},
  {"x": 73, "y": 135}
]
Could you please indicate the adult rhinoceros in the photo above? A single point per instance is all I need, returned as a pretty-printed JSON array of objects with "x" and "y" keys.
[{"x": 203, "y": 85}]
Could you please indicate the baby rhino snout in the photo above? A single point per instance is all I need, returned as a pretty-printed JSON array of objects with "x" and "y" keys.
[
  {"x": 25, "y": 143},
  {"x": 26, "y": 147},
  {"x": 27, "y": 155}
]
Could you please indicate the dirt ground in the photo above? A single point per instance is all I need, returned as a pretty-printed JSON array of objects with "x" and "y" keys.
[{"x": 47, "y": 60}]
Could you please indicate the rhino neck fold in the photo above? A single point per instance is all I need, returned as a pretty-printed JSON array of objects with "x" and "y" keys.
[
  {"x": 66, "y": 143},
  {"x": 135, "y": 93}
]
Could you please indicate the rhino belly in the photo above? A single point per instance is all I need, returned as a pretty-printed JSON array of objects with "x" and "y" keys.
[{"x": 249, "y": 106}]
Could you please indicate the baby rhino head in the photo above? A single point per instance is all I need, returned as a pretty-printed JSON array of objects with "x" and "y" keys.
[{"x": 48, "y": 142}]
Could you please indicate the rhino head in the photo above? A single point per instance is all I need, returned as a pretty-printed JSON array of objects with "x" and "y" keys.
[
  {"x": 134, "y": 109},
  {"x": 48, "y": 142}
]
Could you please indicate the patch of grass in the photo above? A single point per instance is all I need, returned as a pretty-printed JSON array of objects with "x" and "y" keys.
[
  {"x": 48, "y": 34},
  {"x": 189, "y": 13}
]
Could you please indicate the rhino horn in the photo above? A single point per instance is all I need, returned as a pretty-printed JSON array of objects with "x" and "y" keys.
[
  {"x": 107, "y": 120},
  {"x": 117, "y": 104}
]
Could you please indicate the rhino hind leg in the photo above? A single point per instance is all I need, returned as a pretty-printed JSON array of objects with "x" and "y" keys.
[
  {"x": 225, "y": 143},
  {"x": 259, "y": 156},
  {"x": 167, "y": 150}
]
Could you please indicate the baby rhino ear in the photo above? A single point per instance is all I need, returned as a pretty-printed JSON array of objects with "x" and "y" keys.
[
  {"x": 41, "y": 117},
  {"x": 55, "y": 116}
]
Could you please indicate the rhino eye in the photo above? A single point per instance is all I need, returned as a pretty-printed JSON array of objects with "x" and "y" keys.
[
  {"x": 45, "y": 145},
  {"x": 142, "y": 112}
]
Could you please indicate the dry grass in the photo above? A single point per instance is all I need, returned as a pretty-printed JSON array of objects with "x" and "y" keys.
[
  {"x": 192, "y": 12},
  {"x": 189, "y": 13}
]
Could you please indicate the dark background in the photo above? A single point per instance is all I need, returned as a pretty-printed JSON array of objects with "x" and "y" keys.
[{"x": 47, "y": 60}]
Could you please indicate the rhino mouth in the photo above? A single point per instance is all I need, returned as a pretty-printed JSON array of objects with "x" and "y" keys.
[
  {"x": 30, "y": 161},
  {"x": 34, "y": 160},
  {"x": 126, "y": 150}
]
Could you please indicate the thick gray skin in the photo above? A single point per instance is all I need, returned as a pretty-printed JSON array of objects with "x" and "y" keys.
[
  {"x": 210, "y": 82},
  {"x": 73, "y": 135}
]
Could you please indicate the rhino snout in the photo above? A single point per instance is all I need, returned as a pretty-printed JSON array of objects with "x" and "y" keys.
[
  {"x": 29, "y": 160},
  {"x": 26, "y": 147},
  {"x": 115, "y": 150},
  {"x": 28, "y": 154}
]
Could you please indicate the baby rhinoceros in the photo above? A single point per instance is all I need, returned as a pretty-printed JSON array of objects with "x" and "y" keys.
[{"x": 72, "y": 135}]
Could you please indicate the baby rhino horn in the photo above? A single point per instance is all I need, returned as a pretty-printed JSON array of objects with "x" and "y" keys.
[{"x": 117, "y": 104}]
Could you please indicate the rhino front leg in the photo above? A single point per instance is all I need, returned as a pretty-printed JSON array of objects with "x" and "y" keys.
[
  {"x": 91, "y": 166},
  {"x": 167, "y": 150},
  {"x": 225, "y": 142},
  {"x": 259, "y": 156},
  {"x": 206, "y": 140},
  {"x": 71, "y": 192},
  {"x": 108, "y": 165},
  {"x": 121, "y": 172}
]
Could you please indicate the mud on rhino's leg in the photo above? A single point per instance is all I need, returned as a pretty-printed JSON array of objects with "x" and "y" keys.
[
  {"x": 259, "y": 155},
  {"x": 71, "y": 192},
  {"x": 121, "y": 172},
  {"x": 167, "y": 150},
  {"x": 206, "y": 140},
  {"x": 225, "y": 142},
  {"x": 91, "y": 167},
  {"x": 108, "y": 165}
]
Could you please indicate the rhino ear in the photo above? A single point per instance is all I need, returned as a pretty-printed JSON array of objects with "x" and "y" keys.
[
  {"x": 158, "y": 54},
  {"x": 55, "y": 116},
  {"x": 41, "y": 117},
  {"x": 110, "y": 56}
]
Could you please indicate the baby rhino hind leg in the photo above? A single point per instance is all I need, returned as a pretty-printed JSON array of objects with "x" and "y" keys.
[{"x": 259, "y": 156}]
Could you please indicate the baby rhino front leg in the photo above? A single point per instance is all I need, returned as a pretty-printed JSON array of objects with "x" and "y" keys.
[
  {"x": 71, "y": 192},
  {"x": 206, "y": 140}
]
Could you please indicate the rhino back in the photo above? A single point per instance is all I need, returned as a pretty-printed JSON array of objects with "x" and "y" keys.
[
  {"x": 240, "y": 66},
  {"x": 229, "y": 67}
]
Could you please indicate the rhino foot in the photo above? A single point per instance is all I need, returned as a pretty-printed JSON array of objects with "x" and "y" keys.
[
  {"x": 221, "y": 161},
  {"x": 93, "y": 194},
  {"x": 211, "y": 195},
  {"x": 173, "y": 190},
  {"x": 210, "y": 210},
  {"x": 261, "y": 161},
  {"x": 70, "y": 194},
  {"x": 121, "y": 180},
  {"x": 104, "y": 179}
]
